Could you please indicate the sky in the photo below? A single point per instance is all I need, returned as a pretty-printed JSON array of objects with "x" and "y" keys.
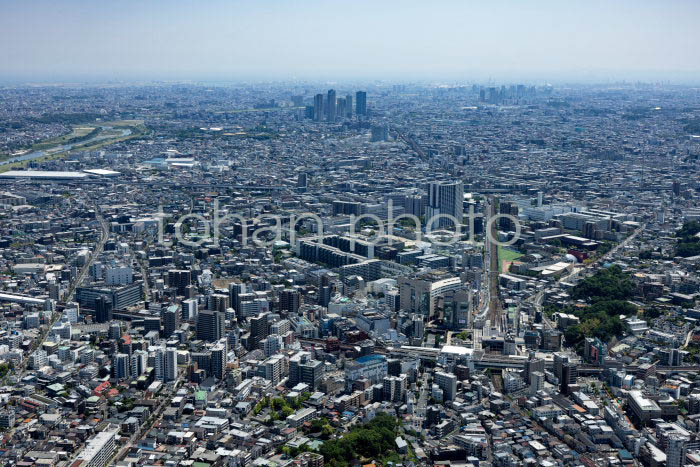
[{"x": 546, "y": 40}]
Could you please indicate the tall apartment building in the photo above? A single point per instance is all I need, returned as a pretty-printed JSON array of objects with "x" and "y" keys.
[
  {"x": 445, "y": 199},
  {"x": 448, "y": 383},
  {"x": 179, "y": 279},
  {"x": 211, "y": 325},
  {"x": 394, "y": 388}
]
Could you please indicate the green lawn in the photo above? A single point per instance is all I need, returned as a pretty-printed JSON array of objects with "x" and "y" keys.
[{"x": 506, "y": 256}]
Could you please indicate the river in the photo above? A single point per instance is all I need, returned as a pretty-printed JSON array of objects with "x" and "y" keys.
[{"x": 65, "y": 147}]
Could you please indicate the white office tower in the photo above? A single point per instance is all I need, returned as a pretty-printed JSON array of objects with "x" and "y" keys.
[
  {"x": 121, "y": 367},
  {"x": 72, "y": 312},
  {"x": 165, "y": 365},
  {"x": 477, "y": 335},
  {"x": 445, "y": 205},
  {"x": 139, "y": 362},
  {"x": 536, "y": 381},
  {"x": 119, "y": 275},
  {"x": 190, "y": 310}
]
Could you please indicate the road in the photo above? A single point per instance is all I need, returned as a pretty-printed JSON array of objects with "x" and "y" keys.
[
  {"x": 538, "y": 297},
  {"x": 155, "y": 416},
  {"x": 422, "y": 403},
  {"x": 144, "y": 273},
  {"x": 71, "y": 291},
  {"x": 590, "y": 267}
]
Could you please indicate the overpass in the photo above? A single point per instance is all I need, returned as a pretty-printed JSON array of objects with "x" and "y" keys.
[{"x": 23, "y": 299}]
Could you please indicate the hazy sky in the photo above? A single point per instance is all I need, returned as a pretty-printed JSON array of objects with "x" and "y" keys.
[{"x": 177, "y": 39}]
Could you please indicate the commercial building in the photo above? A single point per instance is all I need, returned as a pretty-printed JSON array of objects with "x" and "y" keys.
[
  {"x": 121, "y": 297},
  {"x": 420, "y": 294},
  {"x": 643, "y": 408},
  {"x": 445, "y": 199}
]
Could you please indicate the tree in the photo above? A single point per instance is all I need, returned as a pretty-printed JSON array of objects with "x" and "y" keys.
[
  {"x": 606, "y": 284},
  {"x": 688, "y": 242},
  {"x": 374, "y": 440}
]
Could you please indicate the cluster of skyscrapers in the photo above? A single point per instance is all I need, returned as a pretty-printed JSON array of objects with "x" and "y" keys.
[{"x": 330, "y": 108}]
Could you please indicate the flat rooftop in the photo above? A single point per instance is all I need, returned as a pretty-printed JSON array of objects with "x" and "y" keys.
[{"x": 43, "y": 174}]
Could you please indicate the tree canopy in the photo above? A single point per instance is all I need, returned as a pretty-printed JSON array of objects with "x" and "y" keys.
[
  {"x": 374, "y": 440},
  {"x": 688, "y": 242},
  {"x": 606, "y": 291},
  {"x": 606, "y": 284}
]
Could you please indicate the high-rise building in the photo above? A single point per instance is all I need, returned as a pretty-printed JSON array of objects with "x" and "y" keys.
[
  {"x": 272, "y": 344},
  {"x": 219, "y": 302},
  {"x": 190, "y": 309},
  {"x": 159, "y": 363},
  {"x": 218, "y": 360},
  {"x": 103, "y": 309},
  {"x": 139, "y": 362},
  {"x": 152, "y": 323},
  {"x": 235, "y": 289},
  {"x": 324, "y": 296},
  {"x": 532, "y": 365},
  {"x": 394, "y": 388},
  {"x": 536, "y": 381},
  {"x": 273, "y": 369},
  {"x": 361, "y": 103},
  {"x": 259, "y": 329},
  {"x": 171, "y": 320},
  {"x": 448, "y": 383},
  {"x": 348, "y": 106},
  {"x": 418, "y": 327},
  {"x": 457, "y": 308},
  {"x": 445, "y": 199},
  {"x": 290, "y": 300},
  {"x": 170, "y": 365},
  {"x": 420, "y": 294},
  {"x": 331, "y": 115},
  {"x": 179, "y": 279},
  {"x": 507, "y": 208},
  {"x": 569, "y": 373},
  {"x": 379, "y": 133},
  {"x": 318, "y": 107},
  {"x": 115, "y": 330},
  {"x": 121, "y": 367},
  {"x": 341, "y": 111},
  {"x": 559, "y": 360},
  {"x": 211, "y": 325},
  {"x": 303, "y": 369},
  {"x": 676, "y": 450}
]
